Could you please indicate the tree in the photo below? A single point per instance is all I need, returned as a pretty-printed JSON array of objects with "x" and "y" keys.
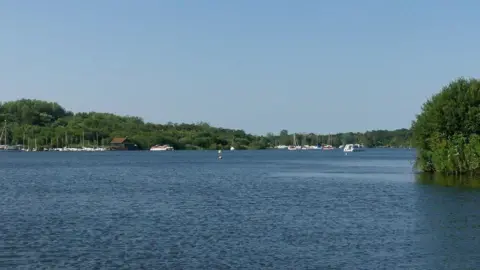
[
  {"x": 284, "y": 138},
  {"x": 50, "y": 125},
  {"x": 446, "y": 132},
  {"x": 347, "y": 138}
]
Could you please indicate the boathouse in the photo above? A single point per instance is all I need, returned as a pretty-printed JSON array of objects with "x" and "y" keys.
[{"x": 122, "y": 144}]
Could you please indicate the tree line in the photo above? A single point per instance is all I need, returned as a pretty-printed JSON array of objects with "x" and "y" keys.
[{"x": 48, "y": 124}]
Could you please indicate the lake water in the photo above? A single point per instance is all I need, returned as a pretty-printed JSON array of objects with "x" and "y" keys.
[{"x": 251, "y": 210}]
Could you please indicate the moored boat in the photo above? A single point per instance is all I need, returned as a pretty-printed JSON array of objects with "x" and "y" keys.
[
  {"x": 164, "y": 147},
  {"x": 353, "y": 148}
]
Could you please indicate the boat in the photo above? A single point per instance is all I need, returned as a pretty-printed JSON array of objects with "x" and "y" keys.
[
  {"x": 328, "y": 146},
  {"x": 10, "y": 148},
  {"x": 231, "y": 146},
  {"x": 352, "y": 148},
  {"x": 4, "y": 135},
  {"x": 35, "y": 148},
  {"x": 294, "y": 146},
  {"x": 164, "y": 147},
  {"x": 317, "y": 146},
  {"x": 311, "y": 147}
]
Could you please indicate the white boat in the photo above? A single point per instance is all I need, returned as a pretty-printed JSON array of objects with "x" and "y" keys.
[
  {"x": 165, "y": 147},
  {"x": 312, "y": 147},
  {"x": 9, "y": 148},
  {"x": 352, "y": 148},
  {"x": 328, "y": 146},
  {"x": 4, "y": 138},
  {"x": 294, "y": 146},
  {"x": 231, "y": 145}
]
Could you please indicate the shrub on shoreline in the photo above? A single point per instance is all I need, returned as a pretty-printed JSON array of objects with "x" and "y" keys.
[{"x": 446, "y": 132}]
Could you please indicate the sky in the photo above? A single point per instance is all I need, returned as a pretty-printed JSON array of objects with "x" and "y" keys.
[{"x": 262, "y": 66}]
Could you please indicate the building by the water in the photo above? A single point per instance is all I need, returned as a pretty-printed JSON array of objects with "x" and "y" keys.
[{"x": 122, "y": 144}]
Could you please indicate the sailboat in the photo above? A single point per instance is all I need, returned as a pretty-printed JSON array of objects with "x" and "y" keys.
[
  {"x": 294, "y": 146},
  {"x": 328, "y": 146},
  {"x": 4, "y": 136},
  {"x": 316, "y": 146},
  {"x": 231, "y": 147},
  {"x": 35, "y": 148}
]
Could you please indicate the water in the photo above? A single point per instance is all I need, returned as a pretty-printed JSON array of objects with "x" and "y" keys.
[{"x": 251, "y": 210}]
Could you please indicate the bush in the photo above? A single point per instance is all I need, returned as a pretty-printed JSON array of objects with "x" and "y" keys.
[{"x": 446, "y": 132}]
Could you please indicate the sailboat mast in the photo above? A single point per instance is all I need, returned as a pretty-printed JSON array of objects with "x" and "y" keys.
[
  {"x": 1, "y": 135},
  {"x": 5, "y": 131}
]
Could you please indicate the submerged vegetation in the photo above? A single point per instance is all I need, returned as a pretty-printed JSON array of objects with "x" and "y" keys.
[
  {"x": 460, "y": 181},
  {"x": 51, "y": 125},
  {"x": 446, "y": 132}
]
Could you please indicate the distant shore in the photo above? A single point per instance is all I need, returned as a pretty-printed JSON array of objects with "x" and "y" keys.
[{"x": 42, "y": 124}]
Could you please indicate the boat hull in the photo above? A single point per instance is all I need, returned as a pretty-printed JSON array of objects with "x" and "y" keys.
[{"x": 352, "y": 148}]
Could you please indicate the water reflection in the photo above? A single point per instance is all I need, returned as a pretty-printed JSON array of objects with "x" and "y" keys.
[
  {"x": 446, "y": 226},
  {"x": 464, "y": 181}
]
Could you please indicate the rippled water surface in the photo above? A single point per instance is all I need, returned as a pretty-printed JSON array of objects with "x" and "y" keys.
[{"x": 251, "y": 210}]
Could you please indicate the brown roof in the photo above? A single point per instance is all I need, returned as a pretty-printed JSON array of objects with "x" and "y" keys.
[{"x": 118, "y": 140}]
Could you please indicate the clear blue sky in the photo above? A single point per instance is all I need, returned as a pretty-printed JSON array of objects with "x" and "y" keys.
[{"x": 305, "y": 66}]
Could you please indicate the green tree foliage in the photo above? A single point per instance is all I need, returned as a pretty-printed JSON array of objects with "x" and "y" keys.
[
  {"x": 50, "y": 125},
  {"x": 446, "y": 132}
]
